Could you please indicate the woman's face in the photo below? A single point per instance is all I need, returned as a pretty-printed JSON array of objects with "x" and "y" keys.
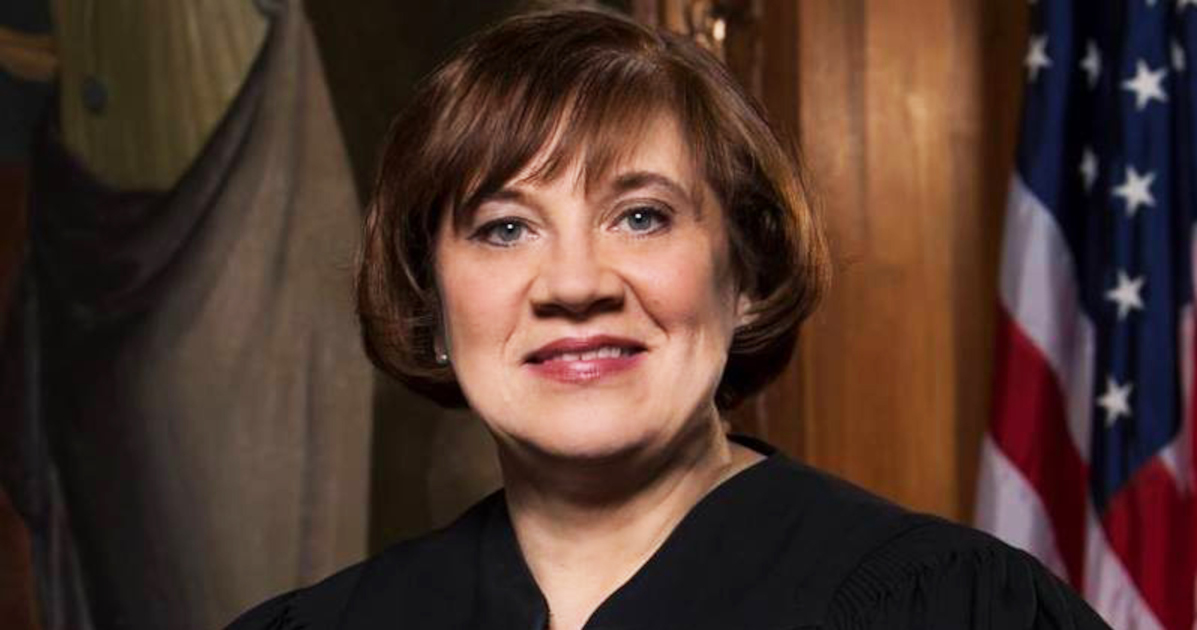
[{"x": 587, "y": 323}]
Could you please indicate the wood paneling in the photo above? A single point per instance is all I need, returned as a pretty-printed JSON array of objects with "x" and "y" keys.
[{"x": 907, "y": 114}]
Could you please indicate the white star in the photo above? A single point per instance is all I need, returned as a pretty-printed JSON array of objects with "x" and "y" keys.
[
  {"x": 1181, "y": 4},
  {"x": 1147, "y": 84},
  {"x": 1088, "y": 168},
  {"x": 1115, "y": 400},
  {"x": 1151, "y": 3},
  {"x": 1178, "y": 55},
  {"x": 1037, "y": 58},
  {"x": 1091, "y": 64},
  {"x": 1136, "y": 190},
  {"x": 1127, "y": 294}
]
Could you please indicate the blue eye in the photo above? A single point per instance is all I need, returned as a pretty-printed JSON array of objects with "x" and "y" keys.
[
  {"x": 643, "y": 220},
  {"x": 503, "y": 232}
]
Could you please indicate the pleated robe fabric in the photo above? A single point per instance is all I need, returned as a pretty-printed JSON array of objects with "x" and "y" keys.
[{"x": 194, "y": 365}]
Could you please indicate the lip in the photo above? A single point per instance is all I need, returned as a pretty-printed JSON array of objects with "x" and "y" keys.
[{"x": 541, "y": 363}]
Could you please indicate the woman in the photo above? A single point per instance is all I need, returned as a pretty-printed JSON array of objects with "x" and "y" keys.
[{"x": 584, "y": 230}]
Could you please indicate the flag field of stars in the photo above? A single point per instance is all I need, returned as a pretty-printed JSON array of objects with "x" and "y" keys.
[{"x": 1107, "y": 146}]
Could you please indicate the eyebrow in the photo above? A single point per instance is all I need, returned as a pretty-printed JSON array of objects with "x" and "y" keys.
[
  {"x": 625, "y": 182},
  {"x": 633, "y": 180},
  {"x": 506, "y": 193}
]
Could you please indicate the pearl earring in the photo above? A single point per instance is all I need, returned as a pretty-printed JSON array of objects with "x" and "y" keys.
[{"x": 442, "y": 358}]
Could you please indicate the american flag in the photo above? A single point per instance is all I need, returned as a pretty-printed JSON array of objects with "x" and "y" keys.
[{"x": 1088, "y": 463}]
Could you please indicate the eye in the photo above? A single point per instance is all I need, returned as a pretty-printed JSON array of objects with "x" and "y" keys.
[
  {"x": 643, "y": 220},
  {"x": 503, "y": 232}
]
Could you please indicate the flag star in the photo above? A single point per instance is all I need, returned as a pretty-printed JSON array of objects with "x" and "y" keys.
[
  {"x": 1147, "y": 84},
  {"x": 1178, "y": 55},
  {"x": 1181, "y": 4},
  {"x": 1088, "y": 168},
  {"x": 1115, "y": 400},
  {"x": 1136, "y": 190},
  {"x": 1127, "y": 295},
  {"x": 1037, "y": 58},
  {"x": 1091, "y": 64}
]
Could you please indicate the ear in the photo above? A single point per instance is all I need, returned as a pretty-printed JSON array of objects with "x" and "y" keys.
[{"x": 744, "y": 306}]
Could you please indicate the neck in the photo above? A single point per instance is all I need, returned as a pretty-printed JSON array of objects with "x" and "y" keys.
[{"x": 586, "y": 529}]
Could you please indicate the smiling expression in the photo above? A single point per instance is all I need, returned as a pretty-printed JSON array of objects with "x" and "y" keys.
[{"x": 585, "y": 321}]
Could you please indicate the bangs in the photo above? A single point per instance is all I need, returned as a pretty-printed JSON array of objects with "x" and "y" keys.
[{"x": 551, "y": 119}]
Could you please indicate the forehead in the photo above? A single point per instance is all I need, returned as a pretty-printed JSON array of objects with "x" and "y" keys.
[{"x": 656, "y": 148}]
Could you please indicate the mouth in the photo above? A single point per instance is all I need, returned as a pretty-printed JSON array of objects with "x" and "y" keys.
[
  {"x": 585, "y": 349},
  {"x": 585, "y": 359}
]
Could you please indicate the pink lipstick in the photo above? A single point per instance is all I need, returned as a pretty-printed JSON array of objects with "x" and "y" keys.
[{"x": 585, "y": 359}]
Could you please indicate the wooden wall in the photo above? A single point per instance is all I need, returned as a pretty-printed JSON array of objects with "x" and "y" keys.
[{"x": 906, "y": 113}]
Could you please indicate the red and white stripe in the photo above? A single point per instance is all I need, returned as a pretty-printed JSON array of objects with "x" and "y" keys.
[{"x": 1135, "y": 563}]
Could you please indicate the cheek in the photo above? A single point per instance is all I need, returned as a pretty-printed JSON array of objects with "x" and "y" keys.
[
  {"x": 687, "y": 288},
  {"x": 481, "y": 306}
]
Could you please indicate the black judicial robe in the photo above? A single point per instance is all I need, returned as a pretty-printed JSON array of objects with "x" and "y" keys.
[{"x": 779, "y": 546}]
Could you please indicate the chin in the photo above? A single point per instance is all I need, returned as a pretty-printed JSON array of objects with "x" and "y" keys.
[{"x": 587, "y": 433}]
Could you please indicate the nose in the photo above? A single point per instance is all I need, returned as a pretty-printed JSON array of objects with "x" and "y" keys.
[{"x": 575, "y": 281}]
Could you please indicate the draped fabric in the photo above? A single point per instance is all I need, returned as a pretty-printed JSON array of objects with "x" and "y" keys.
[{"x": 192, "y": 366}]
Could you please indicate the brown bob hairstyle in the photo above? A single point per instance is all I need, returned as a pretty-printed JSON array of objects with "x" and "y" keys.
[{"x": 585, "y": 81}]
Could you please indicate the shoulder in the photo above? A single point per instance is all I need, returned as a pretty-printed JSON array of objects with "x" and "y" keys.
[
  {"x": 835, "y": 523},
  {"x": 314, "y": 607},
  {"x": 940, "y": 574},
  {"x": 860, "y": 561},
  {"x": 822, "y": 528},
  {"x": 407, "y": 567},
  {"x": 821, "y": 502}
]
